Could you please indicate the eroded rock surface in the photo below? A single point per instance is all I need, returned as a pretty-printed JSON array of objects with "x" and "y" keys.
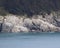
[{"x": 13, "y": 23}]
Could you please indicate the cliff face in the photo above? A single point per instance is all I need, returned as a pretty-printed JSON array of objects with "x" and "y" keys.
[{"x": 38, "y": 23}]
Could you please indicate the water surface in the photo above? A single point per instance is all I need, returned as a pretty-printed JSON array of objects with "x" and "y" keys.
[{"x": 29, "y": 40}]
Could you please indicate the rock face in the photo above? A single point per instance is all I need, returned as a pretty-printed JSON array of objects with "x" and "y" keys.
[{"x": 13, "y": 23}]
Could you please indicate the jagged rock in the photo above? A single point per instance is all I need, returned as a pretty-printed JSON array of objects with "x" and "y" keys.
[
  {"x": 57, "y": 20},
  {"x": 44, "y": 25},
  {"x": 13, "y": 23},
  {"x": 19, "y": 29}
]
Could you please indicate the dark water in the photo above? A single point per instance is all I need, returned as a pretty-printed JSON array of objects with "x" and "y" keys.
[{"x": 29, "y": 40}]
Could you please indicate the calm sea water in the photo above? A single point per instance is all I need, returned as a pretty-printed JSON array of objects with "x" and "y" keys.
[{"x": 29, "y": 40}]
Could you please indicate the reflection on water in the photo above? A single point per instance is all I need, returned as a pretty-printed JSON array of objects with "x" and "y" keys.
[{"x": 29, "y": 40}]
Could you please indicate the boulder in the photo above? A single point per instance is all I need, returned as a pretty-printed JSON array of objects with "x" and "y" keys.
[{"x": 7, "y": 27}]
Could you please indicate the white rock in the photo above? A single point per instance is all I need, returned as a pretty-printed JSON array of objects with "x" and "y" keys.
[{"x": 27, "y": 22}]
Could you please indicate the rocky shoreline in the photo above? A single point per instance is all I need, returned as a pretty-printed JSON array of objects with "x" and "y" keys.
[{"x": 38, "y": 23}]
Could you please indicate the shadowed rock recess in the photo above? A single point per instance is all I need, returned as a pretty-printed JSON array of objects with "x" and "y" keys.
[{"x": 29, "y": 15}]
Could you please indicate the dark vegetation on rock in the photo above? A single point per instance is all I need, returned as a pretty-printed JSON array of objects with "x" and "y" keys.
[{"x": 29, "y": 7}]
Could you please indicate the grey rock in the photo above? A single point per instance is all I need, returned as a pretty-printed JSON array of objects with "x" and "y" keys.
[{"x": 13, "y": 23}]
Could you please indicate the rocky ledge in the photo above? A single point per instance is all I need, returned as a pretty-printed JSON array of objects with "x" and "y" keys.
[{"x": 38, "y": 23}]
